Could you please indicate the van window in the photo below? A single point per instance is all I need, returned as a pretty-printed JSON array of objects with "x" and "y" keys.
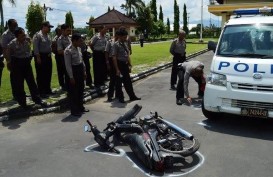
[{"x": 246, "y": 40}]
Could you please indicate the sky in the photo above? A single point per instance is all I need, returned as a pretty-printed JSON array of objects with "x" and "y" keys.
[{"x": 83, "y": 9}]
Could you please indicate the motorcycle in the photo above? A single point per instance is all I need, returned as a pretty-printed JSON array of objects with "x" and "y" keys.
[{"x": 156, "y": 142}]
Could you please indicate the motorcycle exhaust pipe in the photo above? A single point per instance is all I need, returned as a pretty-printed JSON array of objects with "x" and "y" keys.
[{"x": 178, "y": 130}]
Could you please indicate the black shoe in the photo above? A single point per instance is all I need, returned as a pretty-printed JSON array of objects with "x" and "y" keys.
[
  {"x": 42, "y": 104},
  {"x": 179, "y": 102},
  {"x": 91, "y": 86},
  {"x": 135, "y": 98},
  {"x": 24, "y": 106},
  {"x": 85, "y": 110},
  {"x": 121, "y": 100},
  {"x": 76, "y": 114},
  {"x": 173, "y": 87},
  {"x": 44, "y": 96},
  {"x": 109, "y": 99}
]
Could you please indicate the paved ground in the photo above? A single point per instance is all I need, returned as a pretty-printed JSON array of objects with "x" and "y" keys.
[{"x": 54, "y": 144}]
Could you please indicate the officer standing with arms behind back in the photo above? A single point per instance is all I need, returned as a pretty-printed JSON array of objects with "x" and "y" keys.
[
  {"x": 97, "y": 44},
  {"x": 123, "y": 66},
  {"x": 76, "y": 71},
  {"x": 62, "y": 42},
  {"x": 43, "y": 60},
  {"x": 8, "y": 36},
  {"x": 19, "y": 55},
  {"x": 178, "y": 50}
]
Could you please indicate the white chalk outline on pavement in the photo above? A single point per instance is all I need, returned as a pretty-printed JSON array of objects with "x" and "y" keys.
[{"x": 122, "y": 153}]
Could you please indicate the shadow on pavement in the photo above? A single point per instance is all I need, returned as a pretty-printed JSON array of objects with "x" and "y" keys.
[
  {"x": 14, "y": 124},
  {"x": 71, "y": 118},
  {"x": 242, "y": 126}
]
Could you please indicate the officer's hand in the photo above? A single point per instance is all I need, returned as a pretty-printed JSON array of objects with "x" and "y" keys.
[
  {"x": 84, "y": 75},
  {"x": 38, "y": 59},
  {"x": 72, "y": 81},
  {"x": 189, "y": 100},
  {"x": 118, "y": 72}
]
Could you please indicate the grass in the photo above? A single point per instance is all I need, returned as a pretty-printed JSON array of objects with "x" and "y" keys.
[{"x": 143, "y": 58}]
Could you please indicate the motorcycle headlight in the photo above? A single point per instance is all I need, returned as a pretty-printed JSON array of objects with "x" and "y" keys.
[{"x": 217, "y": 79}]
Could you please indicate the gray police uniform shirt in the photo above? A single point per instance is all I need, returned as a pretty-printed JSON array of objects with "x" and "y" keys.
[
  {"x": 121, "y": 51},
  {"x": 188, "y": 67},
  {"x": 72, "y": 57},
  {"x": 41, "y": 43},
  {"x": 7, "y": 37},
  {"x": 99, "y": 42},
  {"x": 109, "y": 47},
  {"x": 19, "y": 50},
  {"x": 178, "y": 47},
  {"x": 63, "y": 42}
]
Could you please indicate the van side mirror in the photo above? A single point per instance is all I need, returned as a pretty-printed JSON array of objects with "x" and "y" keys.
[{"x": 212, "y": 45}]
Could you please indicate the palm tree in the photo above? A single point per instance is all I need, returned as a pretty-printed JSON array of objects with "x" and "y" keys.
[
  {"x": 132, "y": 6},
  {"x": 2, "y": 13}
]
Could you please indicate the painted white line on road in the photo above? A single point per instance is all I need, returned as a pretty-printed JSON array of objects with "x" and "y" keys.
[{"x": 122, "y": 153}]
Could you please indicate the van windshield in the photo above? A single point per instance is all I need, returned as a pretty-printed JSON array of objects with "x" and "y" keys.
[{"x": 251, "y": 41}]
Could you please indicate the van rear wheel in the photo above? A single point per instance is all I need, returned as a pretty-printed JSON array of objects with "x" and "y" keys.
[{"x": 208, "y": 114}]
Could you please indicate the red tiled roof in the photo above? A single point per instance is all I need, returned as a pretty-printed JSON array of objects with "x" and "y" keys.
[{"x": 112, "y": 17}]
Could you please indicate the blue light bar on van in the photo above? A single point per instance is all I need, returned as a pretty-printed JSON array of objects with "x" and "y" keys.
[{"x": 255, "y": 11}]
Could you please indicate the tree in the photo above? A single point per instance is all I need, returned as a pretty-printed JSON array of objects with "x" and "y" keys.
[
  {"x": 145, "y": 20},
  {"x": 12, "y": 2},
  {"x": 132, "y": 7},
  {"x": 109, "y": 9},
  {"x": 161, "y": 28},
  {"x": 161, "y": 14},
  {"x": 176, "y": 18},
  {"x": 35, "y": 18},
  {"x": 168, "y": 30},
  {"x": 185, "y": 20},
  {"x": 69, "y": 19},
  {"x": 154, "y": 9}
]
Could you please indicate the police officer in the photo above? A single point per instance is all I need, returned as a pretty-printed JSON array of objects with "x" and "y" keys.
[
  {"x": 7, "y": 37},
  {"x": 59, "y": 64},
  {"x": 97, "y": 44},
  {"x": 86, "y": 56},
  {"x": 76, "y": 71},
  {"x": 189, "y": 69},
  {"x": 110, "y": 66},
  {"x": 19, "y": 55},
  {"x": 141, "y": 39},
  {"x": 1, "y": 63},
  {"x": 63, "y": 42},
  {"x": 178, "y": 50},
  {"x": 123, "y": 66},
  {"x": 43, "y": 60}
]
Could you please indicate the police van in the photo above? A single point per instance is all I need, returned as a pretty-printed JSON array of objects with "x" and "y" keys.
[{"x": 241, "y": 74}]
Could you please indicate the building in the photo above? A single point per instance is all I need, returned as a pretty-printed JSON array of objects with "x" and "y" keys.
[
  {"x": 225, "y": 8},
  {"x": 113, "y": 20}
]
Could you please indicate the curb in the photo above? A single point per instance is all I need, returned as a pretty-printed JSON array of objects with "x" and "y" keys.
[{"x": 88, "y": 95}]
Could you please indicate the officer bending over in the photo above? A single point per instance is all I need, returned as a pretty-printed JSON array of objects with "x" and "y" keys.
[
  {"x": 19, "y": 55},
  {"x": 189, "y": 69},
  {"x": 77, "y": 73}
]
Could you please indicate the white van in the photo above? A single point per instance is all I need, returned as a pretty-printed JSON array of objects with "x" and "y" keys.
[{"x": 241, "y": 73}]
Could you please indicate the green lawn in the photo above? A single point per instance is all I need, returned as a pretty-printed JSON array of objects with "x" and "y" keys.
[{"x": 142, "y": 58}]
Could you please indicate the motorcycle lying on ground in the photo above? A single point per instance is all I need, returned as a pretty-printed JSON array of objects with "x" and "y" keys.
[{"x": 156, "y": 142}]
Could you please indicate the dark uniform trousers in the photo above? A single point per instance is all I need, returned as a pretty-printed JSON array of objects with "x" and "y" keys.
[
  {"x": 62, "y": 76},
  {"x": 99, "y": 68},
  {"x": 75, "y": 92},
  {"x": 88, "y": 68},
  {"x": 44, "y": 73},
  {"x": 125, "y": 79},
  {"x": 180, "y": 85},
  {"x": 21, "y": 69},
  {"x": 112, "y": 82},
  {"x": 177, "y": 58}
]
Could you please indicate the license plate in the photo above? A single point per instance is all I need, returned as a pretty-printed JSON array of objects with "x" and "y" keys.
[{"x": 252, "y": 112}]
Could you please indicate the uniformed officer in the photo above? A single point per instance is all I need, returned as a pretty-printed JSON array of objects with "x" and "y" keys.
[
  {"x": 97, "y": 44},
  {"x": 2, "y": 65},
  {"x": 189, "y": 69},
  {"x": 63, "y": 42},
  {"x": 128, "y": 41},
  {"x": 7, "y": 37},
  {"x": 19, "y": 55},
  {"x": 86, "y": 57},
  {"x": 141, "y": 39},
  {"x": 43, "y": 60},
  {"x": 110, "y": 66},
  {"x": 77, "y": 73},
  {"x": 123, "y": 66},
  {"x": 59, "y": 64},
  {"x": 178, "y": 50}
]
